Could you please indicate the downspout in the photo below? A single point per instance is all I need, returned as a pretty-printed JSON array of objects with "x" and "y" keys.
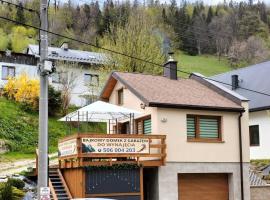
[{"x": 241, "y": 155}]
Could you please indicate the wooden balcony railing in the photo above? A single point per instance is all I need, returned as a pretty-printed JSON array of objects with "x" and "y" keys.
[{"x": 82, "y": 150}]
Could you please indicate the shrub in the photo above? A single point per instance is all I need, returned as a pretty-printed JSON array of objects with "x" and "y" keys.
[
  {"x": 6, "y": 192},
  {"x": 23, "y": 90},
  {"x": 19, "y": 184},
  {"x": 17, "y": 194},
  {"x": 54, "y": 100},
  {"x": 26, "y": 91}
]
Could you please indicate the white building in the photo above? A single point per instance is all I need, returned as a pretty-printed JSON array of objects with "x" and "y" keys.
[
  {"x": 255, "y": 77},
  {"x": 74, "y": 68}
]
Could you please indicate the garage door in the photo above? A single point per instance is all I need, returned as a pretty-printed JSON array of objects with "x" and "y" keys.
[{"x": 203, "y": 187}]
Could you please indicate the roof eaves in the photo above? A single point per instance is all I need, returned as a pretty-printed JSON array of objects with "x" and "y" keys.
[
  {"x": 259, "y": 109},
  {"x": 195, "y": 107},
  {"x": 101, "y": 97},
  {"x": 233, "y": 96}
]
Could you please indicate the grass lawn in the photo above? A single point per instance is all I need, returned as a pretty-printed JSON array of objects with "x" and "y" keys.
[{"x": 207, "y": 65}]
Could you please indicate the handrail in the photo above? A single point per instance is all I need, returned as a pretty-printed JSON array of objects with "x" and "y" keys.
[
  {"x": 52, "y": 190},
  {"x": 64, "y": 183},
  {"x": 102, "y": 135}
]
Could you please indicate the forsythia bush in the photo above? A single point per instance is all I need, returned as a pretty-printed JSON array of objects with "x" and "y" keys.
[{"x": 23, "y": 90}]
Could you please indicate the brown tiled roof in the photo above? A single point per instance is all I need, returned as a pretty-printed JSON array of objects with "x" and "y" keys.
[{"x": 161, "y": 91}]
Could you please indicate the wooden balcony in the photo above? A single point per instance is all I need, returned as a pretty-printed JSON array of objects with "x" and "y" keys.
[{"x": 81, "y": 150}]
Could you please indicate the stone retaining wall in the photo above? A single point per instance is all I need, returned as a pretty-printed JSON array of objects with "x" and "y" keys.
[{"x": 260, "y": 192}]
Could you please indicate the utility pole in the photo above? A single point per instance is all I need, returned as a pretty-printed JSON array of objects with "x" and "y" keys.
[{"x": 43, "y": 102}]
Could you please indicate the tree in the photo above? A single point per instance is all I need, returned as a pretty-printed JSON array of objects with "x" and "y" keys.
[
  {"x": 250, "y": 25},
  {"x": 20, "y": 13},
  {"x": 252, "y": 50},
  {"x": 67, "y": 79},
  {"x": 138, "y": 39},
  {"x": 210, "y": 15},
  {"x": 200, "y": 34},
  {"x": 4, "y": 41},
  {"x": 20, "y": 38},
  {"x": 221, "y": 34}
]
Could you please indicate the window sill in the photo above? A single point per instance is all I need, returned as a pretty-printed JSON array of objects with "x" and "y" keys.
[
  {"x": 206, "y": 140},
  {"x": 254, "y": 145}
]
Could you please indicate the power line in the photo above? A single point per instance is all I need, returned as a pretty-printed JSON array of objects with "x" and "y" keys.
[
  {"x": 123, "y": 54},
  {"x": 179, "y": 34},
  {"x": 19, "y": 6}
]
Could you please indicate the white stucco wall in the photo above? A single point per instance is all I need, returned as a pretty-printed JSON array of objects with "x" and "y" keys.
[
  {"x": 31, "y": 70},
  {"x": 178, "y": 148},
  {"x": 261, "y": 118},
  {"x": 80, "y": 87}
]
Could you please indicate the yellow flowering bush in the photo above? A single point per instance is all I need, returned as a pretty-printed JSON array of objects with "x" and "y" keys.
[{"x": 23, "y": 90}]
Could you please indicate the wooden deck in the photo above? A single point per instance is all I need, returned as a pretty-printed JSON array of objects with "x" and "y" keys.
[{"x": 154, "y": 156}]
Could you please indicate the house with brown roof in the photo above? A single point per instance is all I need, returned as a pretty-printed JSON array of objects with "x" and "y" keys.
[{"x": 206, "y": 128}]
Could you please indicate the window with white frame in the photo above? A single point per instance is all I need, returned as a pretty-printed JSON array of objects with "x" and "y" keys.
[
  {"x": 8, "y": 72},
  {"x": 91, "y": 79}
]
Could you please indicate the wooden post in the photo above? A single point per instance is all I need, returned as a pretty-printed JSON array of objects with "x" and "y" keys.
[
  {"x": 141, "y": 183},
  {"x": 163, "y": 151}
]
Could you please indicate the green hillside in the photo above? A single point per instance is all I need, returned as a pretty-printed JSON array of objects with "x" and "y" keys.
[
  {"x": 20, "y": 128},
  {"x": 207, "y": 65}
]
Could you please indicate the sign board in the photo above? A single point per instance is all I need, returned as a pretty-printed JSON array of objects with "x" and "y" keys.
[
  {"x": 67, "y": 148},
  {"x": 44, "y": 193},
  {"x": 115, "y": 145}
]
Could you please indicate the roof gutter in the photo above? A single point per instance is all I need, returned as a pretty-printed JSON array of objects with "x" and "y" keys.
[
  {"x": 241, "y": 154},
  {"x": 259, "y": 109},
  {"x": 195, "y": 107}
]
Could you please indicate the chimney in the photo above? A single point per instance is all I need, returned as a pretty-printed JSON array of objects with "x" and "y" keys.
[
  {"x": 235, "y": 82},
  {"x": 170, "y": 68},
  {"x": 64, "y": 46}
]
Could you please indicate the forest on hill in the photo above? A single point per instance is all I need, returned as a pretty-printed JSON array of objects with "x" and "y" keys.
[{"x": 238, "y": 31}]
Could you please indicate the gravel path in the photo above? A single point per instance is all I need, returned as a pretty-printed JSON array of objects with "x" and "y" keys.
[{"x": 9, "y": 168}]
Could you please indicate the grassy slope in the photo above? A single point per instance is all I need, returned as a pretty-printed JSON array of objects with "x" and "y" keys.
[
  {"x": 207, "y": 65},
  {"x": 20, "y": 128}
]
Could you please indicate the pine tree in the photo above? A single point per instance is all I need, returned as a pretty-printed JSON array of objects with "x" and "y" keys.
[
  {"x": 164, "y": 16},
  {"x": 20, "y": 13},
  {"x": 210, "y": 15}
]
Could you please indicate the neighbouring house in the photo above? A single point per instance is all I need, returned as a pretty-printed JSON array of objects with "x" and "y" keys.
[
  {"x": 194, "y": 134},
  {"x": 255, "y": 78},
  {"x": 76, "y": 70}
]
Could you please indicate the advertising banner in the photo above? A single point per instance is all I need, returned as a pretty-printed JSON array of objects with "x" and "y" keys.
[
  {"x": 67, "y": 148},
  {"x": 115, "y": 145}
]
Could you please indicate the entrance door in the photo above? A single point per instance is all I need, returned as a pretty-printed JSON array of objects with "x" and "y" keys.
[{"x": 203, "y": 187}]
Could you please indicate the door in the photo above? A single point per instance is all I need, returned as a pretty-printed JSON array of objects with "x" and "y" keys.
[{"x": 203, "y": 187}]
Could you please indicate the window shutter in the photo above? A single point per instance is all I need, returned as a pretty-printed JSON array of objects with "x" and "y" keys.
[
  {"x": 209, "y": 128},
  {"x": 140, "y": 127},
  {"x": 191, "y": 127},
  {"x": 147, "y": 126}
]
